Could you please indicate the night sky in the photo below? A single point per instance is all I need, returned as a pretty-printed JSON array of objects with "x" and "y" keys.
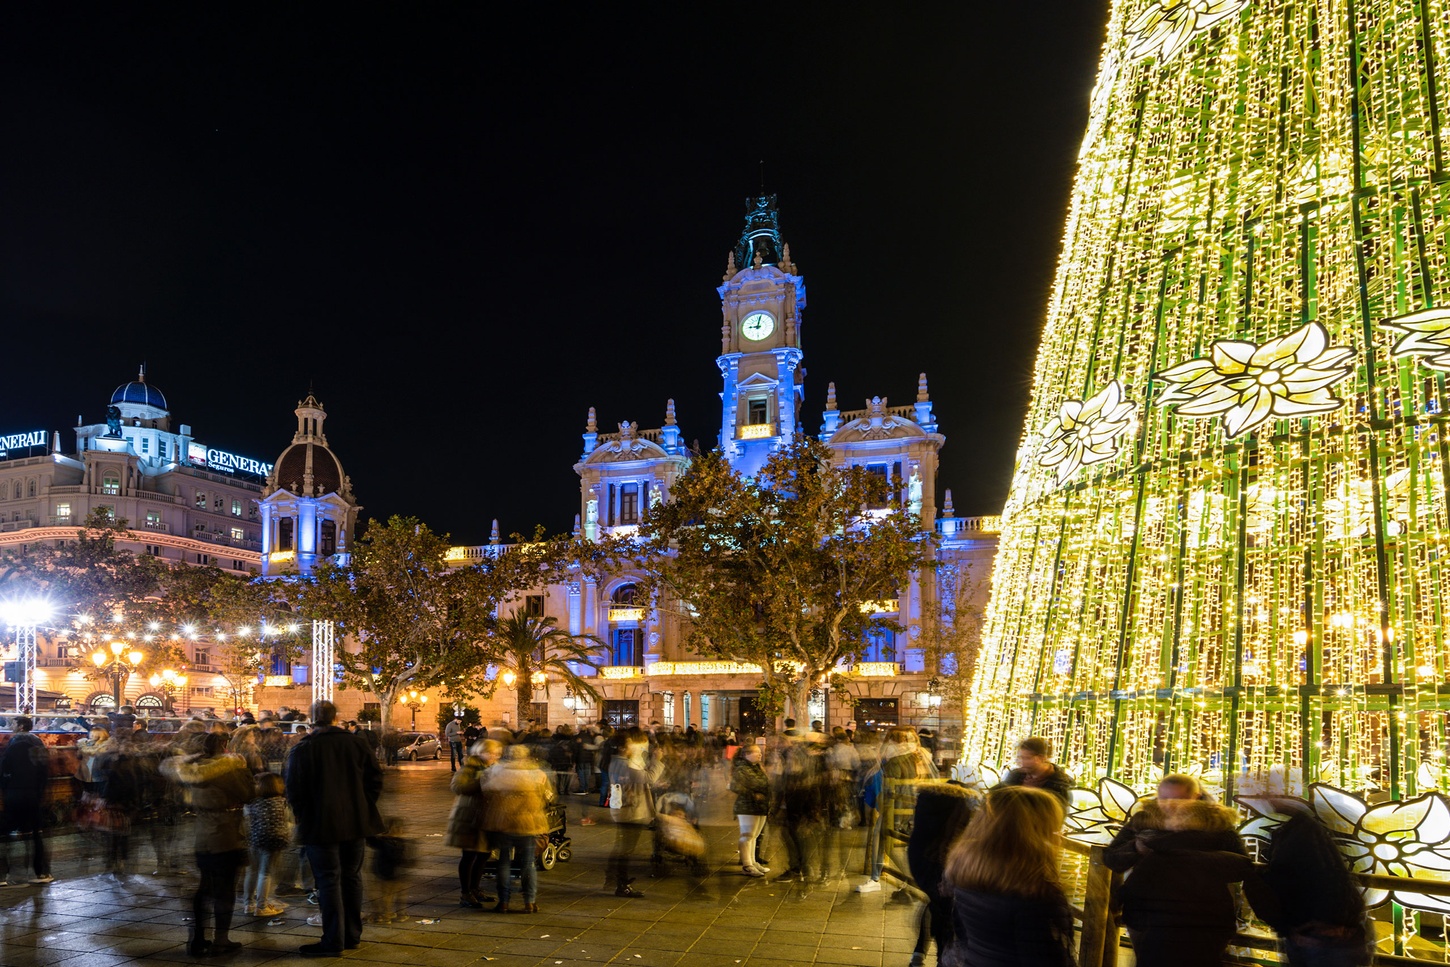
[{"x": 461, "y": 232}]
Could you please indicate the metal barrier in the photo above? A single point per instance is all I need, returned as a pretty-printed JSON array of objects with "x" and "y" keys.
[{"x": 1101, "y": 935}]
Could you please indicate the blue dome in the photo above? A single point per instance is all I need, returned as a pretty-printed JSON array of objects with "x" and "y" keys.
[{"x": 139, "y": 392}]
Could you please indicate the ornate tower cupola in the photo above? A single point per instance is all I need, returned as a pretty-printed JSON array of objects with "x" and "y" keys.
[
  {"x": 308, "y": 509},
  {"x": 761, "y": 301}
]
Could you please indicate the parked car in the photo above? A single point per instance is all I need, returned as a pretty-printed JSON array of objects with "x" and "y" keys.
[{"x": 419, "y": 745}]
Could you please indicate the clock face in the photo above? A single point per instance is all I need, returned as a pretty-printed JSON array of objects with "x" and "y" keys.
[{"x": 757, "y": 326}]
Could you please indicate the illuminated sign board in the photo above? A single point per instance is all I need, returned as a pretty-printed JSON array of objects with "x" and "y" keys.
[
  {"x": 21, "y": 441},
  {"x": 200, "y": 455}
]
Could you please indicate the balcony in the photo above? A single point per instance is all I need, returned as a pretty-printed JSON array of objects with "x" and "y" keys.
[{"x": 19, "y": 525}]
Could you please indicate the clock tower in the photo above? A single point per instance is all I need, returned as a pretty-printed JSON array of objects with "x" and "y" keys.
[{"x": 761, "y": 300}]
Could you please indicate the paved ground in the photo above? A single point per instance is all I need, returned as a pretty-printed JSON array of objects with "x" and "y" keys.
[{"x": 719, "y": 919}]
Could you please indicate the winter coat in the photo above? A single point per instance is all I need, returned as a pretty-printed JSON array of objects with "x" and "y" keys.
[
  {"x": 269, "y": 824},
  {"x": 1188, "y": 856},
  {"x": 515, "y": 793},
  {"x": 1001, "y": 930},
  {"x": 465, "y": 821},
  {"x": 751, "y": 787},
  {"x": 636, "y": 787},
  {"x": 24, "y": 773},
  {"x": 1057, "y": 782},
  {"x": 1320, "y": 915},
  {"x": 942, "y": 812},
  {"x": 220, "y": 786},
  {"x": 333, "y": 783}
]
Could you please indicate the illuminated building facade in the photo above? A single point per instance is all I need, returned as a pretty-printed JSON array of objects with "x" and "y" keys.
[
  {"x": 184, "y": 502},
  {"x": 1223, "y": 544},
  {"x": 647, "y": 672}
]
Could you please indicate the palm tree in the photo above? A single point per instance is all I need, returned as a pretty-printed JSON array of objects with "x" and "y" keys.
[{"x": 535, "y": 651}]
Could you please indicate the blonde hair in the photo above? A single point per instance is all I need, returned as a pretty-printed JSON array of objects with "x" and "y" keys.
[
  {"x": 1010, "y": 846},
  {"x": 1183, "y": 781}
]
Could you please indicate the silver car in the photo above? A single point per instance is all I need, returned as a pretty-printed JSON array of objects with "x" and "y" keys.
[{"x": 419, "y": 745}]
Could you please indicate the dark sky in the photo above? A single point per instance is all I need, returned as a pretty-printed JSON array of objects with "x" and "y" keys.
[{"x": 462, "y": 231}]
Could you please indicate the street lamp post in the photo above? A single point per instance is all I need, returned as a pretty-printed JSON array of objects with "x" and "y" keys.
[
  {"x": 414, "y": 700},
  {"x": 119, "y": 661},
  {"x": 169, "y": 681}
]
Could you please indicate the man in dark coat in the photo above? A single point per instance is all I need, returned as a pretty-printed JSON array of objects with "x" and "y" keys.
[
  {"x": 24, "y": 773},
  {"x": 333, "y": 784},
  {"x": 1035, "y": 768}
]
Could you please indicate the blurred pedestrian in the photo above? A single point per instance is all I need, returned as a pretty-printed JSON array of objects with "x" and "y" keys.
[
  {"x": 24, "y": 776},
  {"x": 630, "y": 783},
  {"x": 392, "y": 858},
  {"x": 465, "y": 822},
  {"x": 269, "y": 832},
  {"x": 1008, "y": 907},
  {"x": 517, "y": 793},
  {"x": 1320, "y": 912},
  {"x": 1035, "y": 768},
  {"x": 220, "y": 786},
  {"x": 752, "y": 805},
  {"x": 941, "y": 815},
  {"x": 333, "y": 784}
]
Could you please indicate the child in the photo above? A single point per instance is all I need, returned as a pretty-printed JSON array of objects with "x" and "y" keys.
[
  {"x": 391, "y": 859},
  {"x": 269, "y": 824}
]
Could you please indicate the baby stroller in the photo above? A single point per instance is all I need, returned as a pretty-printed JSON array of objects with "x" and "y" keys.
[
  {"x": 677, "y": 833},
  {"x": 554, "y": 845}
]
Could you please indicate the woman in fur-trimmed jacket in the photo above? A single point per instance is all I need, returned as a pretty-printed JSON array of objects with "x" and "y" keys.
[
  {"x": 465, "y": 822},
  {"x": 220, "y": 785}
]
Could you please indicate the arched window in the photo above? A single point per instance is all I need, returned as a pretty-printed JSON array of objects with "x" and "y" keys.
[
  {"x": 110, "y": 483},
  {"x": 624, "y": 595},
  {"x": 880, "y": 645},
  {"x": 17, "y": 490},
  {"x": 32, "y": 488}
]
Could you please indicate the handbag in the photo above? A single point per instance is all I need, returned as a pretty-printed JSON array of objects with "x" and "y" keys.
[{"x": 679, "y": 837}]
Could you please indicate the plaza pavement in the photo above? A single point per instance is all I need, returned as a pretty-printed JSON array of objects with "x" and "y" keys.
[{"x": 722, "y": 919}]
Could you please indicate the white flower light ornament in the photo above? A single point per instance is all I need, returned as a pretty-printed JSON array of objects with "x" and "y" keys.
[
  {"x": 1094, "y": 817},
  {"x": 1249, "y": 384},
  {"x": 1086, "y": 432},
  {"x": 1427, "y": 335},
  {"x": 1166, "y": 26}
]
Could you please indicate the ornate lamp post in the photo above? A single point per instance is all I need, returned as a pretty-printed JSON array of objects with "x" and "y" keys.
[
  {"x": 414, "y": 700},
  {"x": 170, "y": 682},
  {"x": 119, "y": 660}
]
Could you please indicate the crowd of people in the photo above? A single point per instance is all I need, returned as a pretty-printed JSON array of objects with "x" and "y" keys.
[{"x": 290, "y": 811}]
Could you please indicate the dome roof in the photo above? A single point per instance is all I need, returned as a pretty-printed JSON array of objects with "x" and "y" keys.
[
  {"x": 141, "y": 392},
  {"x": 300, "y": 459}
]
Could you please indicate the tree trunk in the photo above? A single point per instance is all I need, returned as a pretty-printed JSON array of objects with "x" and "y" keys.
[
  {"x": 523, "y": 704},
  {"x": 800, "y": 702}
]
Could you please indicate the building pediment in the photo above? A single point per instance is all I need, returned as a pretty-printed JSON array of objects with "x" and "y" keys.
[
  {"x": 618, "y": 448},
  {"x": 869, "y": 428}
]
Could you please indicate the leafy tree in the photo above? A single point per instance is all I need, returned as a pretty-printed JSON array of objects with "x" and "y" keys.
[
  {"x": 535, "y": 650},
  {"x": 952, "y": 634},
  {"x": 418, "y": 618},
  {"x": 781, "y": 570}
]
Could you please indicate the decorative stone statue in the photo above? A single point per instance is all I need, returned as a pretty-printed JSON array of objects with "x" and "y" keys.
[{"x": 113, "y": 421}]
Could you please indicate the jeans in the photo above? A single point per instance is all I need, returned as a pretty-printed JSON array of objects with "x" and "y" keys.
[
  {"x": 523, "y": 847},
  {"x": 337, "y": 868},
  {"x": 455, "y": 755},
  {"x": 875, "y": 852},
  {"x": 586, "y": 774},
  {"x": 626, "y": 842},
  {"x": 257, "y": 883}
]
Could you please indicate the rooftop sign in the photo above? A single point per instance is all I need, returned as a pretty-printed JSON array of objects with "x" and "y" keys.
[
  {"x": 21, "y": 441},
  {"x": 201, "y": 455}
]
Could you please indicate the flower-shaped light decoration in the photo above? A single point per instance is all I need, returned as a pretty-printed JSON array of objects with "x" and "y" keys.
[
  {"x": 1167, "y": 26},
  {"x": 1284, "y": 377},
  {"x": 1426, "y": 334},
  {"x": 1086, "y": 432},
  {"x": 1409, "y": 839},
  {"x": 1094, "y": 817}
]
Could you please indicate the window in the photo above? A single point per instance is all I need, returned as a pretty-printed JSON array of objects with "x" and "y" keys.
[
  {"x": 878, "y": 472},
  {"x": 327, "y": 538},
  {"x": 624, "y": 595},
  {"x": 153, "y": 519},
  {"x": 627, "y": 647},
  {"x": 877, "y": 713},
  {"x": 629, "y": 504},
  {"x": 236, "y": 507},
  {"x": 203, "y": 657},
  {"x": 201, "y": 500},
  {"x": 32, "y": 488},
  {"x": 880, "y": 645},
  {"x": 161, "y": 449},
  {"x": 758, "y": 412},
  {"x": 199, "y": 527},
  {"x": 284, "y": 534},
  {"x": 106, "y": 511},
  {"x": 17, "y": 490},
  {"x": 540, "y": 713},
  {"x": 203, "y": 559},
  {"x": 62, "y": 510},
  {"x": 238, "y": 534},
  {"x": 154, "y": 550},
  {"x": 534, "y": 605},
  {"x": 145, "y": 445}
]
